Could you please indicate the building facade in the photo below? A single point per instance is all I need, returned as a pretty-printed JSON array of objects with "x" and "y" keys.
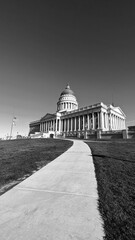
[{"x": 70, "y": 120}]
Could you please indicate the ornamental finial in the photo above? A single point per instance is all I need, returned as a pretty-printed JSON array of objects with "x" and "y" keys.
[{"x": 67, "y": 87}]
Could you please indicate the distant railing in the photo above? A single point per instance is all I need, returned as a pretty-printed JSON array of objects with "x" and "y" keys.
[{"x": 83, "y": 108}]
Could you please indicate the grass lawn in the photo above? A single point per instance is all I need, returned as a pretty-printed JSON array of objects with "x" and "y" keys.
[
  {"x": 115, "y": 172},
  {"x": 20, "y": 158}
]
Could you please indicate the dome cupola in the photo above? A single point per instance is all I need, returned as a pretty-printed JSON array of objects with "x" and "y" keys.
[{"x": 67, "y": 100}]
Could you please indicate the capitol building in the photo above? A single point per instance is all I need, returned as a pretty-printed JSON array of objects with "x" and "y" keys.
[{"x": 70, "y": 120}]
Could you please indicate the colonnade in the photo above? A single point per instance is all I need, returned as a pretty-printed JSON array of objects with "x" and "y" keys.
[
  {"x": 86, "y": 121},
  {"x": 50, "y": 125},
  {"x": 66, "y": 105},
  {"x": 116, "y": 122}
]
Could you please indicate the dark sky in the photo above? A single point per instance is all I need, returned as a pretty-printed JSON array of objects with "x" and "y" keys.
[{"x": 46, "y": 44}]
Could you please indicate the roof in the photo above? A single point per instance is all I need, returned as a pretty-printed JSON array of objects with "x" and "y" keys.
[{"x": 67, "y": 90}]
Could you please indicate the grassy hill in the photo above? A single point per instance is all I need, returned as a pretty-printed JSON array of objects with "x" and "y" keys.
[
  {"x": 20, "y": 158},
  {"x": 115, "y": 172}
]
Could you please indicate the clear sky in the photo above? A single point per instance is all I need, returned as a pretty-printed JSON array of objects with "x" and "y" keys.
[{"x": 46, "y": 44}]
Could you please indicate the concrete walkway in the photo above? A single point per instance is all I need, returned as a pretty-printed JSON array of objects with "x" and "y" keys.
[{"x": 59, "y": 202}]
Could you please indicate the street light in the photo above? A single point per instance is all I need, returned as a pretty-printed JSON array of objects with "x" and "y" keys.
[{"x": 12, "y": 124}]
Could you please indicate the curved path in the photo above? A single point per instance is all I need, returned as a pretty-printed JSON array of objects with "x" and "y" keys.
[{"x": 59, "y": 202}]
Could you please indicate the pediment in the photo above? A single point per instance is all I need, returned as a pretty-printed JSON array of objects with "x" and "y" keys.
[
  {"x": 119, "y": 110},
  {"x": 47, "y": 117}
]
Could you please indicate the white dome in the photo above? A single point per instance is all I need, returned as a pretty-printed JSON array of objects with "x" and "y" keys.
[{"x": 67, "y": 100}]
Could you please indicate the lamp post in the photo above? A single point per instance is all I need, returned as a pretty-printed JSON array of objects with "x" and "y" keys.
[{"x": 12, "y": 124}]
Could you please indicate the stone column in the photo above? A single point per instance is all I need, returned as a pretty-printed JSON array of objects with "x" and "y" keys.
[
  {"x": 61, "y": 125},
  {"x": 71, "y": 124},
  {"x": 114, "y": 122},
  {"x": 106, "y": 119},
  {"x": 121, "y": 124},
  {"x": 64, "y": 125},
  {"x": 118, "y": 123},
  {"x": 117, "y": 126},
  {"x": 88, "y": 121},
  {"x": 53, "y": 125},
  {"x": 101, "y": 120},
  {"x": 98, "y": 120},
  {"x": 68, "y": 125},
  {"x": 83, "y": 123},
  {"x": 79, "y": 123},
  {"x": 110, "y": 121},
  {"x": 90, "y": 125},
  {"x": 75, "y": 124},
  {"x": 107, "y": 125},
  {"x": 93, "y": 122},
  {"x": 56, "y": 125},
  {"x": 124, "y": 124}
]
